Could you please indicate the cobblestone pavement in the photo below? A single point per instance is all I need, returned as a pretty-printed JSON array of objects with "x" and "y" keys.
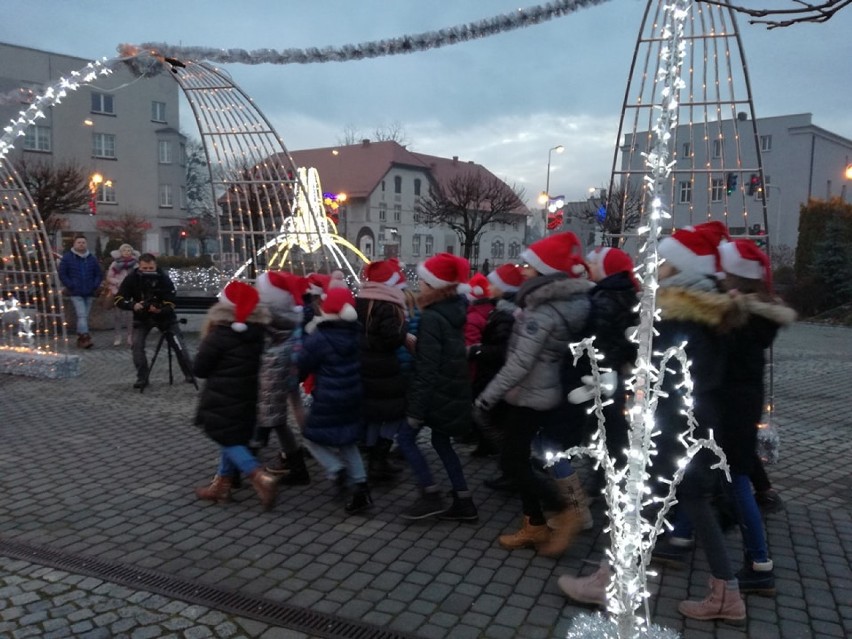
[{"x": 94, "y": 469}]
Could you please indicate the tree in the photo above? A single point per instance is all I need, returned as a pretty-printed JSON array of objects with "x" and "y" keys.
[
  {"x": 199, "y": 193},
  {"x": 55, "y": 188},
  {"x": 126, "y": 227},
  {"x": 393, "y": 132},
  {"x": 467, "y": 202},
  {"x": 777, "y": 17},
  {"x": 616, "y": 214},
  {"x": 202, "y": 228}
]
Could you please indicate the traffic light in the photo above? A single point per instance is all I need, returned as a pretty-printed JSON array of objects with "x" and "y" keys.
[
  {"x": 183, "y": 233},
  {"x": 731, "y": 183},
  {"x": 754, "y": 184}
]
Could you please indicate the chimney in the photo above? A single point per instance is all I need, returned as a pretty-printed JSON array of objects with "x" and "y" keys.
[
  {"x": 455, "y": 159},
  {"x": 742, "y": 116},
  {"x": 365, "y": 142}
]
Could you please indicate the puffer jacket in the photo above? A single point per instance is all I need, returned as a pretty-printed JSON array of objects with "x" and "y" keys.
[
  {"x": 491, "y": 354},
  {"x": 614, "y": 301},
  {"x": 229, "y": 361},
  {"x": 554, "y": 313},
  {"x": 81, "y": 275},
  {"x": 331, "y": 354},
  {"x": 477, "y": 316},
  {"x": 279, "y": 372},
  {"x": 439, "y": 394}
]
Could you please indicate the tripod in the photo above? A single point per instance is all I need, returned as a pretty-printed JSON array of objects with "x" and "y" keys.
[{"x": 172, "y": 345}]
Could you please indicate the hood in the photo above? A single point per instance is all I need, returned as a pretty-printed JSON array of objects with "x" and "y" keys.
[
  {"x": 773, "y": 310},
  {"x": 549, "y": 288},
  {"x": 717, "y": 310}
]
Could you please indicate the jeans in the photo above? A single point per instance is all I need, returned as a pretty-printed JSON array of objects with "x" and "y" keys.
[
  {"x": 443, "y": 445},
  {"x": 140, "y": 335},
  {"x": 337, "y": 458},
  {"x": 82, "y": 308},
  {"x": 236, "y": 458},
  {"x": 544, "y": 444},
  {"x": 382, "y": 430}
]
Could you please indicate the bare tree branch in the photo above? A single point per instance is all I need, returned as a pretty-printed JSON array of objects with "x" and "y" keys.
[
  {"x": 55, "y": 188},
  {"x": 623, "y": 210},
  {"x": 806, "y": 12}
]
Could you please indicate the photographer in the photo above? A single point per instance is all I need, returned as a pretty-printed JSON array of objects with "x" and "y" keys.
[{"x": 150, "y": 294}]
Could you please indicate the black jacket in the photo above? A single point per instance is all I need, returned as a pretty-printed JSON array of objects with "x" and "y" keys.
[
  {"x": 382, "y": 332},
  {"x": 614, "y": 301},
  {"x": 155, "y": 288},
  {"x": 491, "y": 353}
]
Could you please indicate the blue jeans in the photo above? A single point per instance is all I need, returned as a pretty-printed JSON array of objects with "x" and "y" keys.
[
  {"x": 337, "y": 458},
  {"x": 236, "y": 458},
  {"x": 82, "y": 308},
  {"x": 383, "y": 430},
  {"x": 443, "y": 445},
  {"x": 542, "y": 444}
]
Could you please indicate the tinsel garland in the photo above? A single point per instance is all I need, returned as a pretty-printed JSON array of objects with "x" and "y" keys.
[
  {"x": 404, "y": 44},
  {"x": 599, "y": 626},
  {"x": 30, "y": 363}
]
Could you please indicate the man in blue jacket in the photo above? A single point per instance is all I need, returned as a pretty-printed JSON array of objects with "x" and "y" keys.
[{"x": 81, "y": 276}]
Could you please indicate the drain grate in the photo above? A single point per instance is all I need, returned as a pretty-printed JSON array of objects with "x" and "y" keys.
[{"x": 271, "y": 612}]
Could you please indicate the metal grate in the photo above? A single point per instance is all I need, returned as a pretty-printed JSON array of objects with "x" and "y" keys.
[{"x": 271, "y": 612}]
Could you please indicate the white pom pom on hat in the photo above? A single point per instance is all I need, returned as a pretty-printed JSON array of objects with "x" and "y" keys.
[
  {"x": 243, "y": 298},
  {"x": 478, "y": 285}
]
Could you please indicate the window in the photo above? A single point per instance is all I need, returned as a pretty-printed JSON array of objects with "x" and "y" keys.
[
  {"x": 37, "y": 138},
  {"x": 514, "y": 226},
  {"x": 102, "y": 103},
  {"x": 717, "y": 189},
  {"x": 106, "y": 194},
  {"x": 497, "y": 249},
  {"x": 686, "y": 150},
  {"x": 383, "y": 212},
  {"x": 718, "y": 146},
  {"x": 430, "y": 245},
  {"x": 166, "y": 196},
  {"x": 514, "y": 250},
  {"x": 103, "y": 145},
  {"x": 397, "y": 184},
  {"x": 158, "y": 111},
  {"x": 415, "y": 245},
  {"x": 417, "y": 186},
  {"x": 164, "y": 148},
  {"x": 685, "y": 189},
  {"x": 397, "y": 212},
  {"x": 383, "y": 186},
  {"x": 765, "y": 142}
]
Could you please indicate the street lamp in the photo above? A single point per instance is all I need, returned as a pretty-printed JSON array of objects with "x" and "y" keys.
[
  {"x": 775, "y": 238},
  {"x": 544, "y": 197}
]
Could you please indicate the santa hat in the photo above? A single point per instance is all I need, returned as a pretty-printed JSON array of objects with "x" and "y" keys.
[
  {"x": 556, "y": 254},
  {"x": 612, "y": 260},
  {"x": 743, "y": 259},
  {"x": 385, "y": 272},
  {"x": 508, "y": 278},
  {"x": 444, "y": 269},
  {"x": 281, "y": 290},
  {"x": 243, "y": 298},
  {"x": 339, "y": 303},
  {"x": 337, "y": 280},
  {"x": 695, "y": 249},
  {"x": 478, "y": 287},
  {"x": 317, "y": 283}
]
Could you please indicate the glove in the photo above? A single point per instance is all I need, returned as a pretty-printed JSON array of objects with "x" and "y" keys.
[
  {"x": 414, "y": 423},
  {"x": 480, "y": 417},
  {"x": 585, "y": 393}
]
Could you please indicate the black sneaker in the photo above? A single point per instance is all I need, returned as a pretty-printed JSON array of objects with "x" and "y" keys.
[
  {"x": 360, "y": 500},
  {"x": 769, "y": 501},
  {"x": 139, "y": 383},
  {"x": 463, "y": 509},
  {"x": 427, "y": 505},
  {"x": 669, "y": 554},
  {"x": 277, "y": 466},
  {"x": 756, "y": 582}
]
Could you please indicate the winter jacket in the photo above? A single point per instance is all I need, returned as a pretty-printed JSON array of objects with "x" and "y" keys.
[
  {"x": 406, "y": 357},
  {"x": 229, "y": 361},
  {"x": 743, "y": 391},
  {"x": 439, "y": 394},
  {"x": 279, "y": 373},
  {"x": 382, "y": 331},
  {"x": 477, "y": 315},
  {"x": 494, "y": 343},
  {"x": 156, "y": 288},
  {"x": 554, "y": 313},
  {"x": 331, "y": 353},
  {"x": 118, "y": 270},
  {"x": 80, "y": 274},
  {"x": 614, "y": 300}
]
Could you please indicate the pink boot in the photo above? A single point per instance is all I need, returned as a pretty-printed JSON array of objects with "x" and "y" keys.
[
  {"x": 720, "y": 603},
  {"x": 590, "y": 589}
]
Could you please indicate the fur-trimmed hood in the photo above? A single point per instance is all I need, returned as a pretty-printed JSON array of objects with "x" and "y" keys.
[
  {"x": 549, "y": 288},
  {"x": 716, "y": 310},
  {"x": 773, "y": 310},
  {"x": 223, "y": 314}
]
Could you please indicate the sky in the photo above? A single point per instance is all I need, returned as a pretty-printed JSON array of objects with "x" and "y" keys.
[{"x": 503, "y": 101}]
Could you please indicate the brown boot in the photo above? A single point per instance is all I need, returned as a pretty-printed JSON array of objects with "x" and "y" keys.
[
  {"x": 720, "y": 603},
  {"x": 265, "y": 485},
  {"x": 528, "y": 536},
  {"x": 87, "y": 341},
  {"x": 218, "y": 490},
  {"x": 565, "y": 525}
]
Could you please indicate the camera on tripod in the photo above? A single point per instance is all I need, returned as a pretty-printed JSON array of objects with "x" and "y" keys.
[{"x": 150, "y": 302}]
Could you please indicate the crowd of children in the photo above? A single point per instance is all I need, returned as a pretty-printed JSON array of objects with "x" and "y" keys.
[{"x": 491, "y": 353}]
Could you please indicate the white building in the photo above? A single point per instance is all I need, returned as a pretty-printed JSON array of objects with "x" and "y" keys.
[{"x": 122, "y": 127}]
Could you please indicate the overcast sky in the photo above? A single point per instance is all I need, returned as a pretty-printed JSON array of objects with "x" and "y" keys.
[{"x": 500, "y": 101}]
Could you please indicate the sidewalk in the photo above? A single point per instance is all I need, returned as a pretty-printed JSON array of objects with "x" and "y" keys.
[{"x": 96, "y": 497}]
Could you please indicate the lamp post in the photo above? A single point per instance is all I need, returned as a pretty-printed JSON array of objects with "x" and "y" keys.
[
  {"x": 775, "y": 239},
  {"x": 545, "y": 197},
  {"x": 848, "y": 175}
]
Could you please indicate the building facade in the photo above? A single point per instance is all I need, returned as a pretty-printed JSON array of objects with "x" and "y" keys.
[
  {"x": 122, "y": 127},
  {"x": 384, "y": 183}
]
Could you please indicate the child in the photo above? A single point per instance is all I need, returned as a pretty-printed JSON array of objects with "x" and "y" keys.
[
  {"x": 229, "y": 359},
  {"x": 279, "y": 375},
  {"x": 479, "y": 308},
  {"x": 125, "y": 259},
  {"x": 330, "y": 353},
  {"x": 439, "y": 393}
]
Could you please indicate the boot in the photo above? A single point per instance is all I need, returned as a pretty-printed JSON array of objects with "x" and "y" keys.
[
  {"x": 590, "y": 589},
  {"x": 290, "y": 471},
  {"x": 360, "y": 499},
  {"x": 462, "y": 509},
  {"x": 529, "y": 536},
  {"x": 758, "y": 578},
  {"x": 572, "y": 492},
  {"x": 427, "y": 505},
  {"x": 379, "y": 469},
  {"x": 502, "y": 483},
  {"x": 218, "y": 490},
  {"x": 87, "y": 341},
  {"x": 672, "y": 552},
  {"x": 565, "y": 525},
  {"x": 720, "y": 603},
  {"x": 265, "y": 486}
]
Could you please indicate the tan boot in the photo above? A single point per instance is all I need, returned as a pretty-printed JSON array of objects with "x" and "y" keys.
[
  {"x": 266, "y": 487},
  {"x": 565, "y": 525},
  {"x": 528, "y": 536},
  {"x": 218, "y": 490},
  {"x": 590, "y": 589},
  {"x": 720, "y": 603}
]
